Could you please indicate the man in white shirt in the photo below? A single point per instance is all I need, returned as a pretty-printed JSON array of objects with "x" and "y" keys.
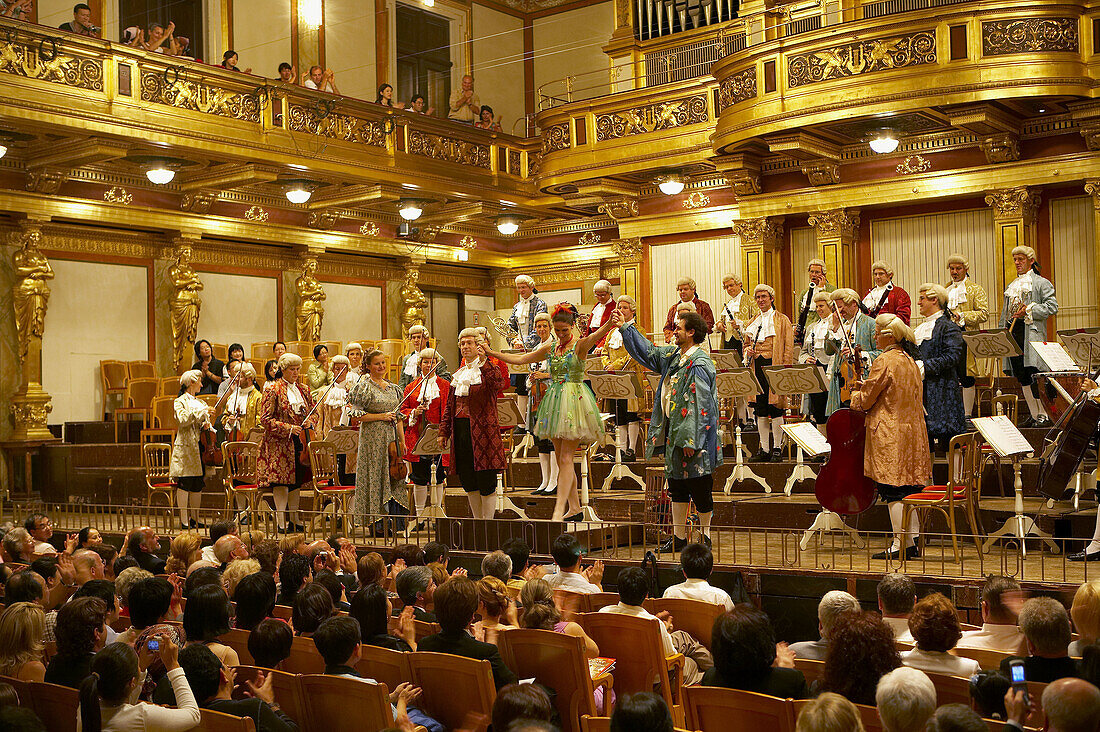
[
  {"x": 522, "y": 321},
  {"x": 896, "y": 596},
  {"x": 1001, "y": 603},
  {"x": 39, "y": 526},
  {"x": 834, "y": 604},
  {"x": 697, "y": 562},
  {"x": 601, "y": 311},
  {"x": 567, "y": 553},
  {"x": 321, "y": 80},
  {"x": 217, "y": 530}
]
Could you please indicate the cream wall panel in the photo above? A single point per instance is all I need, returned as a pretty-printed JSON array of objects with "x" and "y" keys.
[
  {"x": 261, "y": 37},
  {"x": 497, "y": 65},
  {"x": 443, "y": 319},
  {"x": 480, "y": 303},
  {"x": 84, "y": 327},
  {"x": 917, "y": 248},
  {"x": 568, "y": 44},
  {"x": 239, "y": 309},
  {"x": 803, "y": 249},
  {"x": 705, "y": 261},
  {"x": 351, "y": 312},
  {"x": 1073, "y": 237},
  {"x": 350, "y": 48},
  {"x": 553, "y": 297}
]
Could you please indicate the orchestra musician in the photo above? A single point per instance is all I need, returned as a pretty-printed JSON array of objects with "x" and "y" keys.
[
  {"x": 185, "y": 467},
  {"x": 628, "y": 425},
  {"x": 375, "y": 400},
  {"x": 896, "y": 454},
  {"x": 941, "y": 361},
  {"x": 537, "y": 382},
  {"x": 422, "y": 404},
  {"x": 813, "y": 352},
  {"x": 333, "y": 410},
  {"x": 885, "y": 296},
  {"x": 1029, "y": 300},
  {"x": 483, "y": 337},
  {"x": 1091, "y": 552},
  {"x": 601, "y": 311},
  {"x": 685, "y": 288},
  {"x": 807, "y": 310},
  {"x": 736, "y": 313},
  {"x": 242, "y": 407},
  {"x": 854, "y": 326},
  {"x": 410, "y": 370},
  {"x": 283, "y": 408},
  {"x": 769, "y": 340},
  {"x": 522, "y": 321},
  {"x": 319, "y": 374},
  {"x": 969, "y": 308},
  {"x": 354, "y": 352}
]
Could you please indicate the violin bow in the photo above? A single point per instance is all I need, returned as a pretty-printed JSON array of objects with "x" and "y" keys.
[
  {"x": 317, "y": 403},
  {"x": 225, "y": 396},
  {"x": 422, "y": 378}
]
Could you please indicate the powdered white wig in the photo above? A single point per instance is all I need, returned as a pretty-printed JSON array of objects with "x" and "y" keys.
[
  {"x": 629, "y": 301},
  {"x": 845, "y": 294},
  {"x": 289, "y": 360},
  {"x": 686, "y": 281},
  {"x": 187, "y": 378},
  {"x": 469, "y": 333},
  {"x": 764, "y": 288},
  {"x": 341, "y": 361},
  {"x": 426, "y": 353},
  {"x": 958, "y": 259},
  {"x": 524, "y": 280},
  {"x": 819, "y": 263},
  {"x": 1026, "y": 251},
  {"x": 543, "y": 317},
  {"x": 879, "y": 264},
  {"x": 352, "y": 346},
  {"x": 931, "y": 289},
  {"x": 249, "y": 371},
  {"x": 685, "y": 307},
  {"x": 482, "y": 334},
  {"x": 732, "y": 277},
  {"x": 602, "y": 286},
  {"x": 418, "y": 329},
  {"x": 895, "y": 326},
  {"x": 821, "y": 296}
]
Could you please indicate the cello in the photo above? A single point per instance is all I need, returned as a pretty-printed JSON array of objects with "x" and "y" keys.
[{"x": 1066, "y": 443}]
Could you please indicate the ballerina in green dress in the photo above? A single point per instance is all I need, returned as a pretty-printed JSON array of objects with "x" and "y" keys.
[{"x": 568, "y": 414}]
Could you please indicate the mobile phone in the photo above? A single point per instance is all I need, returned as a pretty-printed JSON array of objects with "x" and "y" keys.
[
  {"x": 1017, "y": 677},
  {"x": 153, "y": 644}
]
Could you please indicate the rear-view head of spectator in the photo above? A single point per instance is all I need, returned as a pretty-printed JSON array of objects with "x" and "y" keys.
[
  {"x": 185, "y": 550},
  {"x": 87, "y": 565},
  {"x": 25, "y": 586},
  {"x": 237, "y": 570},
  {"x": 1045, "y": 624},
  {"x": 80, "y": 629},
  {"x": 266, "y": 552},
  {"x": 294, "y": 573},
  {"x": 641, "y": 712},
  {"x": 516, "y": 702},
  {"x": 206, "y": 615},
  {"x": 435, "y": 552},
  {"x": 1085, "y": 612},
  {"x": 1071, "y": 705},
  {"x": 115, "y": 670},
  {"x": 205, "y": 673},
  {"x": 833, "y": 604},
  {"x": 122, "y": 563},
  {"x": 371, "y": 569},
  {"x": 896, "y": 595},
  {"x": 411, "y": 555},
  {"x": 255, "y": 598},
  {"x": 861, "y": 650},
  {"x": 328, "y": 579},
  {"x": 200, "y": 577},
  {"x": 370, "y": 607},
  {"x": 126, "y": 580},
  {"x": 743, "y": 644},
  {"x": 105, "y": 590},
  {"x": 539, "y": 610},
  {"x": 337, "y": 640},
  {"x": 492, "y": 599},
  {"x": 455, "y": 604},
  {"x": 269, "y": 643},
  {"x": 829, "y": 712},
  {"x": 566, "y": 551},
  {"x": 906, "y": 698},
  {"x": 956, "y": 718},
  {"x": 312, "y": 606},
  {"x": 415, "y": 586},
  {"x": 150, "y": 601},
  {"x": 1001, "y": 598},
  {"x": 520, "y": 554},
  {"x": 22, "y": 633},
  {"x": 934, "y": 623},
  {"x": 497, "y": 564}
]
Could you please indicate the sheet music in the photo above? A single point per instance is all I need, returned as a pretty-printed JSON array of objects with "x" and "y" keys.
[
  {"x": 1003, "y": 436},
  {"x": 1055, "y": 356},
  {"x": 807, "y": 436}
]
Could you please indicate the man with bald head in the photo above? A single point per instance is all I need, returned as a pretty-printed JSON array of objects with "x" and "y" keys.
[
  {"x": 228, "y": 548},
  {"x": 1070, "y": 705},
  {"x": 87, "y": 565},
  {"x": 141, "y": 544},
  {"x": 321, "y": 556}
]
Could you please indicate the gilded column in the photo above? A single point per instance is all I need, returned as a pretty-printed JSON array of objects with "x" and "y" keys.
[
  {"x": 837, "y": 233},
  {"x": 1014, "y": 215},
  {"x": 760, "y": 242},
  {"x": 184, "y": 304},
  {"x": 1092, "y": 187},
  {"x": 414, "y": 310},
  {"x": 30, "y": 295},
  {"x": 310, "y": 311}
]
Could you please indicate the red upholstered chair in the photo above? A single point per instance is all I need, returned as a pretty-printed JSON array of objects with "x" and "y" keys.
[
  {"x": 960, "y": 492},
  {"x": 155, "y": 458},
  {"x": 326, "y": 480}
]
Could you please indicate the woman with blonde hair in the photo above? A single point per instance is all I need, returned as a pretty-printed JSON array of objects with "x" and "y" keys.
[
  {"x": 236, "y": 571},
  {"x": 829, "y": 712},
  {"x": 496, "y": 609},
  {"x": 1086, "y": 616},
  {"x": 22, "y": 630},
  {"x": 185, "y": 550},
  {"x": 185, "y": 467}
]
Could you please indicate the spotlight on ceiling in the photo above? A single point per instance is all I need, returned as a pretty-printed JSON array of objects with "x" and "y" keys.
[
  {"x": 3, "y": 149},
  {"x": 884, "y": 141},
  {"x": 410, "y": 209},
  {"x": 507, "y": 225},
  {"x": 670, "y": 185},
  {"x": 159, "y": 173},
  {"x": 298, "y": 192}
]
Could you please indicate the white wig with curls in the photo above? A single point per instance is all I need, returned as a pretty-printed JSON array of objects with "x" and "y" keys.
[{"x": 896, "y": 327}]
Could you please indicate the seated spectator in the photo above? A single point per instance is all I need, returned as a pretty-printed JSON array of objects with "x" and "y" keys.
[
  {"x": 87, "y": 565},
  {"x": 328, "y": 579},
  {"x": 861, "y": 650},
  {"x": 697, "y": 563},
  {"x": 1085, "y": 612},
  {"x": 22, "y": 641},
  {"x": 746, "y": 656},
  {"x": 956, "y": 718},
  {"x": 81, "y": 631},
  {"x": 829, "y": 713},
  {"x": 121, "y": 563},
  {"x": 465, "y": 105},
  {"x": 521, "y": 702},
  {"x": 25, "y": 586},
  {"x": 125, "y": 582},
  {"x": 206, "y": 618},
  {"x": 255, "y": 598},
  {"x": 987, "y": 694},
  {"x": 228, "y": 548},
  {"x": 497, "y": 611},
  {"x": 896, "y": 596},
  {"x": 1001, "y": 602},
  {"x": 88, "y": 538},
  {"x": 185, "y": 550},
  {"x": 81, "y": 24},
  {"x": 266, "y": 552},
  {"x": 456, "y": 602},
  {"x": 1045, "y": 625},
  {"x": 906, "y": 698},
  {"x": 292, "y": 544},
  {"x": 218, "y": 529},
  {"x": 520, "y": 554},
  {"x": 497, "y": 564},
  {"x": 40, "y": 527},
  {"x": 485, "y": 119},
  {"x": 18, "y": 546},
  {"x": 540, "y": 613},
  {"x": 199, "y": 577},
  {"x": 436, "y": 553},
  {"x": 150, "y": 606},
  {"x": 934, "y": 623},
  {"x": 105, "y": 696},
  {"x": 417, "y": 589},
  {"x": 269, "y": 643},
  {"x": 159, "y": 38},
  {"x": 235, "y": 571},
  {"x": 287, "y": 73},
  {"x": 212, "y": 684},
  {"x": 385, "y": 97},
  {"x": 294, "y": 574},
  {"x": 55, "y": 591},
  {"x": 103, "y": 589},
  {"x": 16, "y": 9},
  {"x": 141, "y": 545},
  {"x": 832, "y": 605},
  {"x": 312, "y": 606},
  {"x": 418, "y": 103},
  {"x": 181, "y": 46},
  {"x": 410, "y": 555},
  {"x": 567, "y": 553},
  {"x": 641, "y": 712},
  {"x": 1070, "y": 705},
  {"x": 371, "y": 606},
  {"x": 320, "y": 79},
  {"x": 133, "y": 37},
  {"x": 346, "y": 564},
  {"x": 371, "y": 570}
]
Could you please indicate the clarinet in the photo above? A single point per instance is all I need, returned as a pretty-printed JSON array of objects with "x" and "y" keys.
[{"x": 800, "y": 329}]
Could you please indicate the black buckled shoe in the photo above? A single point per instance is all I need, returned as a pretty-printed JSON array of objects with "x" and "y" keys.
[
  {"x": 761, "y": 456},
  {"x": 674, "y": 545}
]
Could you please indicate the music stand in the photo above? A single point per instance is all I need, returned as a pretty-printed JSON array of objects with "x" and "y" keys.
[
  {"x": 428, "y": 445},
  {"x": 992, "y": 343},
  {"x": 616, "y": 385},
  {"x": 791, "y": 380},
  {"x": 1083, "y": 345},
  {"x": 739, "y": 384},
  {"x": 726, "y": 359},
  {"x": 507, "y": 418}
]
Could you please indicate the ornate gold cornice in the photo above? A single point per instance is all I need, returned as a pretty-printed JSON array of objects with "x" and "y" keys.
[
  {"x": 628, "y": 250},
  {"x": 1013, "y": 203},
  {"x": 838, "y": 222},
  {"x": 1092, "y": 187},
  {"x": 765, "y": 231}
]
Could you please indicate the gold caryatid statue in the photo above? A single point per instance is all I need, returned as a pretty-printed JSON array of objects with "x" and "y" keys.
[
  {"x": 415, "y": 301},
  {"x": 31, "y": 294},
  {"x": 185, "y": 304},
  {"x": 311, "y": 302}
]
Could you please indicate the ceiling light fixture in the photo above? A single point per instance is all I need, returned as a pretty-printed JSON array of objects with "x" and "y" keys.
[
  {"x": 507, "y": 225},
  {"x": 410, "y": 210},
  {"x": 884, "y": 141},
  {"x": 298, "y": 192},
  {"x": 3, "y": 149},
  {"x": 159, "y": 173},
  {"x": 670, "y": 185}
]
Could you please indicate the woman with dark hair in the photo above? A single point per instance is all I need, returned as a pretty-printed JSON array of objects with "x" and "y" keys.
[
  {"x": 255, "y": 598},
  {"x": 319, "y": 373},
  {"x": 861, "y": 649},
  {"x": 211, "y": 368},
  {"x": 272, "y": 372},
  {"x": 485, "y": 119},
  {"x": 269, "y": 643},
  {"x": 385, "y": 97},
  {"x": 206, "y": 617},
  {"x": 641, "y": 712},
  {"x": 371, "y": 606},
  {"x": 934, "y": 623},
  {"x": 235, "y": 353},
  {"x": 521, "y": 702},
  {"x": 229, "y": 61},
  {"x": 294, "y": 572},
  {"x": 88, "y": 537},
  {"x": 410, "y": 554},
  {"x": 746, "y": 654},
  {"x": 312, "y": 606},
  {"x": 107, "y": 695},
  {"x": 81, "y": 631}
]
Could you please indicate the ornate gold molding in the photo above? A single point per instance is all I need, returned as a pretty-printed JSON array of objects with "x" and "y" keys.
[
  {"x": 628, "y": 250},
  {"x": 369, "y": 228},
  {"x": 588, "y": 239},
  {"x": 46, "y": 181},
  {"x": 913, "y": 164},
  {"x": 1092, "y": 187},
  {"x": 198, "y": 201},
  {"x": 1091, "y": 133},
  {"x": 256, "y": 214},
  {"x": 1002, "y": 148},
  {"x": 468, "y": 242},
  {"x": 696, "y": 199},
  {"x": 1010, "y": 203},
  {"x": 760, "y": 232},
  {"x": 554, "y": 137},
  {"x": 861, "y": 57},
  {"x": 449, "y": 149},
  {"x": 619, "y": 208},
  {"x": 322, "y": 121},
  {"x": 822, "y": 172},
  {"x": 737, "y": 88},
  {"x": 173, "y": 89},
  {"x": 838, "y": 222},
  {"x": 45, "y": 61},
  {"x": 324, "y": 220},
  {"x": 1029, "y": 35},
  {"x": 652, "y": 118},
  {"x": 118, "y": 194}
]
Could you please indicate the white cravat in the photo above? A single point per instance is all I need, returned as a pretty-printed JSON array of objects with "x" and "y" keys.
[
  {"x": 765, "y": 323},
  {"x": 924, "y": 331},
  {"x": 238, "y": 403},
  {"x": 597, "y": 315},
  {"x": 615, "y": 340},
  {"x": 873, "y": 297},
  {"x": 956, "y": 294},
  {"x": 294, "y": 396},
  {"x": 522, "y": 309},
  {"x": 429, "y": 392},
  {"x": 337, "y": 395},
  {"x": 465, "y": 377},
  {"x": 411, "y": 364},
  {"x": 1021, "y": 287}
]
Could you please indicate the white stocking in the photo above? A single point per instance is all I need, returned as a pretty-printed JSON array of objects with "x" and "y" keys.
[
  {"x": 634, "y": 431},
  {"x": 763, "y": 428},
  {"x": 679, "y": 519},
  {"x": 195, "y": 500},
  {"x": 1033, "y": 404},
  {"x": 475, "y": 504},
  {"x": 544, "y": 467},
  {"x": 241, "y": 500},
  {"x": 704, "y": 522},
  {"x": 777, "y": 432},
  {"x": 743, "y": 409},
  {"x": 896, "y": 510},
  {"x": 914, "y": 529},
  {"x": 280, "y": 493},
  {"x": 182, "y": 501},
  {"x": 522, "y": 403},
  {"x": 295, "y": 501},
  {"x": 489, "y": 506},
  {"x": 420, "y": 498},
  {"x": 969, "y": 392},
  {"x": 554, "y": 470},
  {"x": 1094, "y": 545}
]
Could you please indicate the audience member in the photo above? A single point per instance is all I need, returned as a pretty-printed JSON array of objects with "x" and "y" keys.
[
  {"x": 200, "y": 577},
  {"x": 22, "y": 641},
  {"x": 17, "y": 9},
  {"x": 497, "y": 564},
  {"x": 88, "y": 538},
  {"x": 320, "y": 79},
  {"x": 150, "y": 605},
  {"x": 497, "y": 611},
  {"x": 292, "y": 544},
  {"x": 987, "y": 694},
  {"x": 520, "y": 554},
  {"x": 420, "y": 105},
  {"x": 934, "y": 624},
  {"x": 485, "y": 120},
  {"x": 465, "y": 104},
  {"x": 212, "y": 684},
  {"x": 294, "y": 574},
  {"x": 746, "y": 656},
  {"x": 141, "y": 545},
  {"x": 19, "y": 546},
  {"x": 25, "y": 586},
  {"x": 81, "y": 631},
  {"x": 328, "y": 579},
  {"x": 956, "y": 718},
  {"x": 287, "y": 73},
  {"x": 237, "y": 570},
  {"x": 410, "y": 555},
  {"x": 371, "y": 570},
  {"x": 104, "y": 589},
  {"x": 266, "y": 552},
  {"x": 121, "y": 563},
  {"x": 832, "y": 605},
  {"x": 55, "y": 592},
  {"x": 1085, "y": 612},
  {"x": 521, "y": 702},
  {"x": 206, "y": 617},
  {"x": 436, "y": 552},
  {"x": 185, "y": 550},
  {"x": 417, "y": 589},
  {"x": 125, "y": 582},
  {"x": 255, "y": 598},
  {"x": 896, "y": 596},
  {"x": 1001, "y": 602},
  {"x": 40, "y": 527},
  {"x": 269, "y": 643},
  {"x": 567, "y": 554},
  {"x": 697, "y": 563},
  {"x": 385, "y": 97},
  {"x": 540, "y": 613},
  {"x": 1045, "y": 625},
  {"x": 641, "y": 712},
  {"x": 87, "y": 565},
  {"x": 829, "y": 713},
  {"x": 906, "y": 698},
  {"x": 1070, "y": 705},
  {"x": 371, "y": 606},
  {"x": 20, "y": 719},
  {"x": 312, "y": 606},
  {"x": 218, "y": 529},
  {"x": 861, "y": 650}
]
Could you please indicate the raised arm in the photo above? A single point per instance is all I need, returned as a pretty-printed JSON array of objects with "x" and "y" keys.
[
  {"x": 584, "y": 345},
  {"x": 539, "y": 354}
]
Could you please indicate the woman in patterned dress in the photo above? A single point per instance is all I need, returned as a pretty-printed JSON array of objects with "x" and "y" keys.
[
  {"x": 375, "y": 402},
  {"x": 283, "y": 409}
]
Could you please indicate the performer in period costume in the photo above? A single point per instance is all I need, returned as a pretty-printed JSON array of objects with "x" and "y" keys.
[
  {"x": 354, "y": 352},
  {"x": 813, "y": 351},
  {"x": 885, "y": 296},
  {"x": 242, "y": 406},
  {"x": 319, "y": 374},
  {"x": 685, "y": 288},
  {"x": 333, "y": 410},
  {"x": 769, "y": 340},
  {"x": 601, "y": 312},
  {"x": 628, "y": 426},
  {"x": 807, "y": 311},
  {"x": 969, "y": 308},
  {"x": 854, "y": 326},
  {"x": 185, "y": 468},
  {"x": 538, "y": 381},
  {"x": 940, "y": 363},
  {"x": 1029, "y": 301},
  {"x": 683, "y": 427},
  {"x": 283, "y": 409},
  {"x": 422, "y": 404},
  {"x": 410, "y": 369},
  {"x": 896, "y": 454},
  {"x": 374, "y": 400},
  {"x": 1091, "y": 552},
  {"x": 522, "y": 321},
  {"x": 568, "y": 415},
  {"x": 469, "y": 427},
  {"x": 733, "y": 318}
]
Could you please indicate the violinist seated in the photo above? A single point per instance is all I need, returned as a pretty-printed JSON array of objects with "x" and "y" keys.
[
  {"x": 1091, "y": 552},
  {"x": 849, "y": 328},
  {"x": 186, "y": 468},
  {"x": 422, "y": 404}
]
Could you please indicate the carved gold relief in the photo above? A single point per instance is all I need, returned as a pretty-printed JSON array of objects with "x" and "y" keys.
[
  {"x": 696, "y": 199},
  {"x": 1003, "y": 148},
  {"x": 627, "y": 250},
  {"x": 838, "y": 222},
  {"x": 861, "y": 57},
  {"x": 416, "y": 303},
  {"x": 652, "y": 118},
  {"x": 197, "y": 202},
  {"x": 514, "y": 166},
  {"x": 322, "y": 219},
  {"x": 184, "y": 305},
  {"x": 256, "y": 214},
  {"x": 554, "y": 137},
  {"x": 30, "y": 410},
  {"x": 448, "y": 149},
  {"x": 759, "y": 231},
  {"x": 737, "y": 88},
  {"x": 588, "y": 238},
  {"x": 310, "y": 311},
  {"x": 534, "y": 160},
  {"x": 43, "y": 61},
  {"x": 369, "y": 228},
  {"x": 914, "y": 164},
  {"x": 619, "y": 208},
  {"x": 118, "y": 194},
  {"x": 744, "y": 182},
  {"x": 164, "y": 88},
  {"x": 31, "y": 294},
  {"x": 1091, "y": 133},
  {"x": 41, "y": 180},
  {"x": 1092, "y": 187},
  {"x": 316, "y": 121},
  {"x": 1010, "y": 203},
  {"x": 822, "y": 173},
  {"x": 1029, "y": 35},
  {"x": 468, "y": 242}
]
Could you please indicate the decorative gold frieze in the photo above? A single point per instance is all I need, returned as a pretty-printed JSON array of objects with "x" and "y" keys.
[
  {"x": 840, "y": 222},
  {"x": 449, "y": 149},
  {"x": 861, "y": 57},
  {"x": 198, "y": 201},
  {"x": 1091, "y": 133},
  {"x": 696, "y": 199},
  {"x": 318, "y": 120},
  {"x": 554, "y": 137},
  {"x": 118, "y": 194},
  {"x": 588, "y": 238},
  {"x": 256, "y": 214},
  {"x": 1011, "y": 203},
  {"x": 369, "y": 228},
  {"x": 534, "y": 160},
  {"x": 822, "y": 173},
  {"x": 322, "y": 219},
  {"x": 1003, "y": 148},
  {"x": 652, "y": 118},
  {"x": 619, "y": 208},
  {"x": 1029, "y": 35},
  {"x": 174, "y": 90},
  {"x": 30, "y": 410},
  {"x": 1092, "y": 187},
  {"x": 914, "y": 164},
  {"x": 628, "y": 250},
  {"x": 737, "y": 88},
  {"x": 44, "y": 61},
  {"x": 514, "y": 166},
  {"x": 468, "y": 242},
  {"x": 47, "y": 181},
  {"x": 760, "y": 231}
]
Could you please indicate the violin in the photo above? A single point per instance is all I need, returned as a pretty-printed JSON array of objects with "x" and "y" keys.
[
  {"x": 209, "y": 452},
  {"x": 307, "y": 427},
  {"x": 850, "y": 371},
  {"x": 398, "y": 469}
]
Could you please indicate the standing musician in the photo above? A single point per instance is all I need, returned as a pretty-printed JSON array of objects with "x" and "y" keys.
[
  {"x": 885, "y": 296},
  {"x": 423, "y": 404},
  {"x": 522, "y": 321},
  {"x": 601, "y": 312},
  {"x": 468, "y": 425},
  {"x": 853, "y": 326},
  {"x": 1029, "y": 301},
  {"x": 185, "y": 467},
  {"x": 354, "y": 352},
  {"x": 940, "y": 363},
  {"x": 537, "y": 381},
  {"x": 807, "y": 311},
  {"x": 969, "y": 308},
  {"x": 283, "y": 408},
  {"x": 769, "y": 340},
  {"x": 628, "y": 426},
  {"x": 896, "y": 454},
  {"x": 333, "y": 410},
  {"x": 483, "y": 338},
  {"x": 375, "y": 400},
  {"x": 242, "y": 407},
  {"x": 1091, "y": 552},
  {"x": 410, "y": 370},
  {"x": 684, "y": 424},
  {"x": 813, "y": 352},
  {"x": 685, "y": 288},
  {"x": 731, "y": 324}
]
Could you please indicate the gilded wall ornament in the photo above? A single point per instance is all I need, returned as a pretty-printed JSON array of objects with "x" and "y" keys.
[
  {"x": 588, "y": 238},
  {"x": 1011, "y": 203},
  {"x": 316, "y": 121},
  {"x": 514, "y": 162},
  {"x": 369, "y": 228},
  {"x": 448, "y": 149},
  {"x": 1003, "y": 148},
  {"x": 838, "y": 222},
  {"x": 41, "y": 59},
  {"x": 534, "y": 161},
  {"x": 162, "y": 88},
  {"x": 31, "y": 293},
  {"x": 322, "y": 219},
  {"x": 1092, "y": 187},
  {"x": 468, "y": 242},
  {"x": 652, "y": 118},
  {"x": 627, "y": 250},
  {"x": 554, "y": 137},
  {"x": 763, "y": 231},
  {"x": 198, "y": 201},
  {"x": 184, "y": 305},
  {"x": 1029, "y": 35},
  {"x": 619, "y": 208},
  {"x": 118, "y": 194},
  {"x": 310, "y": 311},
  {"x": 47, "y": 181},
  {"x": 30, "y": 410},
  {"x": 822, "y": 173},
  {"x": 696, "y": 199},
  {"x": 737, "y": 88},
  {"x": 913, "y": 164},
  {"x": 414, "y": 312},
  {"x": 1091, "y": 133},
  {"x": 744, "y": 182},
  {"x": 256, "y": 214},
  {"x": 861, "y": 57}
]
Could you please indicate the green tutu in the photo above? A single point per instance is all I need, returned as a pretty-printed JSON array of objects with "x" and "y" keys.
[{"x": 568, "y": 411}]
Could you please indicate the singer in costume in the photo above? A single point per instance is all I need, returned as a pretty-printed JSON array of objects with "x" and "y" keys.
[
  {"x": 522, "y": 322},
  {"x": 807, "y": 311},
  {"x": 185, "y": 467},
  {"x": 813, "y": 352},
  {"x": 374, "y": 400},
  {"x": 468, "y": 427},
  {"x": 410, "y": 369},
  {"x": 283, "y": 409},
  {"x": 422, "y": 404},
  {"x": 769, "y": 340},
  {"x": 1029, "y": 300},
  {"x": 940, "y": 342},
  {"x": 896, "y": 454},
  {"x": 538, "y": 381},
  {"x": 854, "y": 326},
  {"x": 568, "y": 415},
  {"x": 885, "y": 296},
  {"x": 968, "y": 306},
  {"x": 628, "y": 426},
  {"x": 683, "y": 427},
  {"x": 601, "y": 312},
  {"x": 685, "y": 288}
]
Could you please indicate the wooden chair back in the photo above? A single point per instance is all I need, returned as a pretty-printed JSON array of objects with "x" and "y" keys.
[
  {"x": 812, "y": 669},
  {"x": 597, "y": 600},
  {"x": 571, "y": 604},
  {"x": 55, "y": 705},
  {"x": 22, "y": 689},
  {"x": 164, "y": 413},
  {"x": 239, "y": 462},
  {"x": 446, "y": 679},
  {"x": 557, "y": 661},
  {"x": 950, "y": 689},
  {"x": 1006, "y": 404},
  {"x": 155, "y": 458},
  {"x": 287, "y": 688},
  {"x": 217, "y": 722},
  {"x": 283, "y": 612},
  {"x": 211, "y": 400},
  {"x": 304, "y": 658},
  {"x": 142, "y": 370},
  {"x": 603, "y": 724},
  {"x": 322, "y": 460},
  {"x": 987, "y": 658},
  {"x": 335, "y": 348},
  {"x": 693, "y": 616},
  {"x": 113, "y": 375},
  {"x": 304, "y": 350},
  {"x": 382, "y": 664},
  {"x": 868, "y": 715},
  {"x": 220, "y": 351},
  {"x": 238, "y": 641},
  {"x": 168, "y": 387},
  {"x": 710, "y": 707},
  {"x": 262, "y": 353},
  {"x": 334, "y": 703},
  {"x": 423, "y": 629},
  {"x": 140, "y": 393}
]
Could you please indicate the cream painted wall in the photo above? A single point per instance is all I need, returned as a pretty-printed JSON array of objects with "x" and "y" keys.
[
  {"x": 350, "y": 47},
  {"x": 261, "y": 36},
  {"x": 83, "y": 327},
  {"x": 498, "y": 64},
  {"x": 705, "y": 260},
  {"x": 568, "y": 44},
  {"x": 1072, "y": 229},
  {"x": 239, "y": 309},
  {"x": 352, "y": 312}
]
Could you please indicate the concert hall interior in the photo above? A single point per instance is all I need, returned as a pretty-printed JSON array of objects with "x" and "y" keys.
[{"x": 811, "y": 287}]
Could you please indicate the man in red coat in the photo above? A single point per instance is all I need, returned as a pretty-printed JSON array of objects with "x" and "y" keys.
[
  {"x": 885, "y": 296},
  {"x": 601, "y": 312},
  {"x": 421, "y": 405},
  {"x": 686, "y": 289}
]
